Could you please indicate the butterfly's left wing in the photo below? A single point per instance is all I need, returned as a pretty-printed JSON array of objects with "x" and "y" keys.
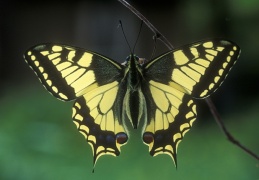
[
  {"x": 93, "y": 80},
  {"x": 171, "y": 81}
]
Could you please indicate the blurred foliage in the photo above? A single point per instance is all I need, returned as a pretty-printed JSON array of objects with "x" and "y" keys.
[{"x": 38, "y": 139}]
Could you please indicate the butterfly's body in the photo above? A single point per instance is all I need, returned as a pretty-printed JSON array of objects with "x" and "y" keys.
[
  {"x": 160, "y": 93},
  {"x": 133, "y": 103}
]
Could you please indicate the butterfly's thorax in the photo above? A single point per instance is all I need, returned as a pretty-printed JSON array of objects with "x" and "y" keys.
[
  {"x": 134, "y": 73},
  {"x": 134, "y": 99}
]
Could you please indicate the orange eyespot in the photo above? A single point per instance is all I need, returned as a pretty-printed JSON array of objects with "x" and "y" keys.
[
  {"x": 121, "y": 138},
  {"x": 148, "y": 137}
]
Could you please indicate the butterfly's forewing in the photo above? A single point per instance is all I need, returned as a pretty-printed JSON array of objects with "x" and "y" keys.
[
  {"x": 69, "y": 72},
  {"x": 195, "y": 70},
  {"x": 93, "y": 80}
]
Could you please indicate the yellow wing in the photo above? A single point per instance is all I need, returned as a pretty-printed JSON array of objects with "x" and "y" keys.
[
  {"x": 68, "y": 72},
  {"x": 97, "y": 117},
  {"x": 170, "y": 115},
  {"x": 171, "y": 81},
  {"x": 93, "y": 80}
]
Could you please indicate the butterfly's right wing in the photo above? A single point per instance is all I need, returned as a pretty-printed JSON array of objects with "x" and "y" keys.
[{"x": 93, "y": 80}]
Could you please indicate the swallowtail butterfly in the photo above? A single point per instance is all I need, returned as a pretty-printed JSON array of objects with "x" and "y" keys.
[{"x": 160, "y": 93}]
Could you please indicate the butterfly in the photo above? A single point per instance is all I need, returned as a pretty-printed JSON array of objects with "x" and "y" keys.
[{"x": 160, "y": 93}]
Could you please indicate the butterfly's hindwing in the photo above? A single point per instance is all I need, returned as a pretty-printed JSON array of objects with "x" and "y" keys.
[
  {"x": 96, "y": 116},
  {"x": 171, "y": 114},
  {"x": 69, "y": 72}
]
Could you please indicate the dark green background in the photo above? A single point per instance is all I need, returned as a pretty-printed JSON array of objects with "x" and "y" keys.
[{"x": 37, "y": 137}]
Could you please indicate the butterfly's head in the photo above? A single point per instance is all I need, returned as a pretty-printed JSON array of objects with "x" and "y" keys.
[
  {"x": 130, "y": 60},
  {"x": 134, "y": 59}
]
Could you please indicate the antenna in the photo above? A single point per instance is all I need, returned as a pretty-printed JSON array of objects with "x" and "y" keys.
[
  {"x": 120, "y": 24},
  {"x": 125, "y": 36},
  {"x": 138, "y": 35}
]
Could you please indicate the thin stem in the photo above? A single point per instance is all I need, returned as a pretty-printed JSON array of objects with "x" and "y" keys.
[
  {"x": 158, "y": 35},
  {"x": 212, "y": 107},
  {"x": 220, "y": 123}
]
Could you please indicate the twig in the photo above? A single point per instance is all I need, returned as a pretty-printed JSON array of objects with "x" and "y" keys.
[
  {"x": 212, "y": 107},
  {"x": 218, "y": 120},
  {"x": 158, "y": 35}
]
